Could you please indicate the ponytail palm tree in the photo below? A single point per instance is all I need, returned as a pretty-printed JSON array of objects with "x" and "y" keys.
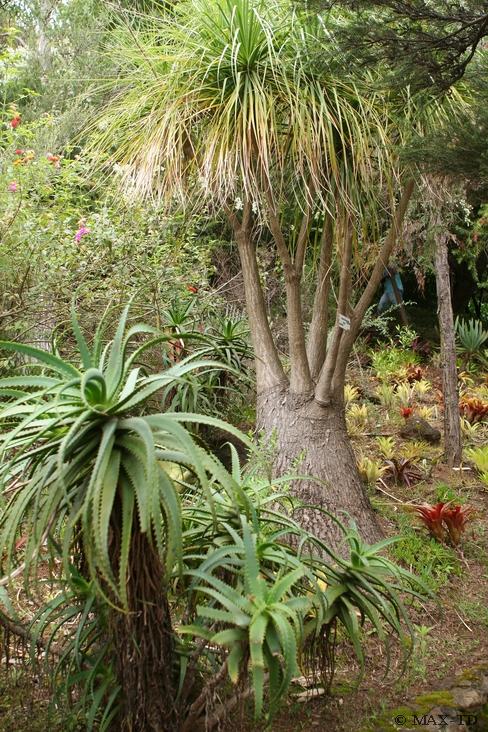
[{"x": 242, "y": 107}]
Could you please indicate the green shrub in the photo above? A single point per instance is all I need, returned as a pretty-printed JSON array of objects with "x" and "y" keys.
[
  {"x": 391, "y": 361},
  {"x": 62, "y": 231}
]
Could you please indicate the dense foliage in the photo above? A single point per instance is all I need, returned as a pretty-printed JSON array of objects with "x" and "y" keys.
[
  {"x": 163, "y": 168},
  {"x": 92, "y": 482}
]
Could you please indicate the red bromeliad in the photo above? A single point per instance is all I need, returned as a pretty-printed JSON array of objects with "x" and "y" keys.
[
  {"x": 443, "y": 521},
  {"x": 406, "y": 412},
  {"x": 432, "y": 517},
  {"x": 473, "y": 409}
]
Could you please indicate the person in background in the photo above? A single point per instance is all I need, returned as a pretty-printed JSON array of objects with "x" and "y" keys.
[{"x": 391, "y": 282}]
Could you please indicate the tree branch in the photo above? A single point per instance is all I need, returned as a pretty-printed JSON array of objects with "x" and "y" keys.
[
  {"x": 323, "y": 392},
  {"x": 302, "y": 240},
  {"x": 317, "y": 334},
  {"x": 199, "y": 704},
  {"x": 19, "y": 630},
  {"x": 300, "y": 379},
  {"x": 269, "y": 370},
  {"x": 373, "y": 283}
]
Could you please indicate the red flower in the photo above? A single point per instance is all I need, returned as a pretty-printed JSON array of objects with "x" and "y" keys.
[
  {"x": 406, "y": 412},
  {"x": 53, "y": 159},
  {"x": 19, "y": 151},
  {"x": 15, "y": 121},
  {"x": 192, "y": 289}
]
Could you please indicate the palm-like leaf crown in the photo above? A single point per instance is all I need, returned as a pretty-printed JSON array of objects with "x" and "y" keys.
[{"x": 224, "y": 94}]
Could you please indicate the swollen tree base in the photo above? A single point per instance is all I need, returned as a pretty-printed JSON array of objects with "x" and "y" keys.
[{"x": 312, "y": 441}]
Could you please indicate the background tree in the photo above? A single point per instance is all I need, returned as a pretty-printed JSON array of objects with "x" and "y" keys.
[
  {"x": 439, "y": 231},
  {"x": 454, "y": 155},
  {"x": 432, "y": 44},
  {"x": 425, "y": 43}
]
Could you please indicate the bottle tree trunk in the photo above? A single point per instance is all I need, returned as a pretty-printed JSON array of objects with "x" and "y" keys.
[
  {"x": 452, "y": 426},
  {"x": 311, "y": 440}
]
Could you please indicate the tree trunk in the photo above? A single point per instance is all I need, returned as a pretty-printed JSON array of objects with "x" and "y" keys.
[
  {"x": 46, "y": 8},
  {"x": 312, "y": 441},
  {"x": 143, "y": 645},
  {"x": 452, "y": 427}
]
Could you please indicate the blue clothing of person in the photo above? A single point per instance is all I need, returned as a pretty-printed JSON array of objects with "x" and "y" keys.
[{"x": 388, "y": 297}]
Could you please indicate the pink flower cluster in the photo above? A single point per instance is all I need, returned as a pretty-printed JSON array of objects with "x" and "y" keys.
[{"x": 82, "y": 231}]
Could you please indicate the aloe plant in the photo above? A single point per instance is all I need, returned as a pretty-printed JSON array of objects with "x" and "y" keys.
[
  {"x": 275, "y": 606},
  {"x": 92, "y": 478},
  {"x": 471, "y": 338}
]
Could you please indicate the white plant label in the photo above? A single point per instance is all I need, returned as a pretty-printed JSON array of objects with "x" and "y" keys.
[{"x": 344, "y": 322}]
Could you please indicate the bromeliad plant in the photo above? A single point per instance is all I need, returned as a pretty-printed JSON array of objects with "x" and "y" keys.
[
  {"x": 445, "y": 522},
  {"x": 357, "y": 418},
  {"x": 455, "y": 519},
  {"x": 351, "y": 394},
  {"x": 90, "y": 477},
  {"x": 473, "y": 409},
  {"x": 432, "y": 518},
  {"x": 370, "y": 470},
  {"x": 479, "y": 456},
  {"x": 386, "y": 445},
  {"x": 402, "y": 471}
]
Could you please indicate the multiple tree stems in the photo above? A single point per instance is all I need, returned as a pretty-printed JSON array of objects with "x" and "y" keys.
[
  {"x": 305, "y": 405},
  {"x": 313, "y": 369}
]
